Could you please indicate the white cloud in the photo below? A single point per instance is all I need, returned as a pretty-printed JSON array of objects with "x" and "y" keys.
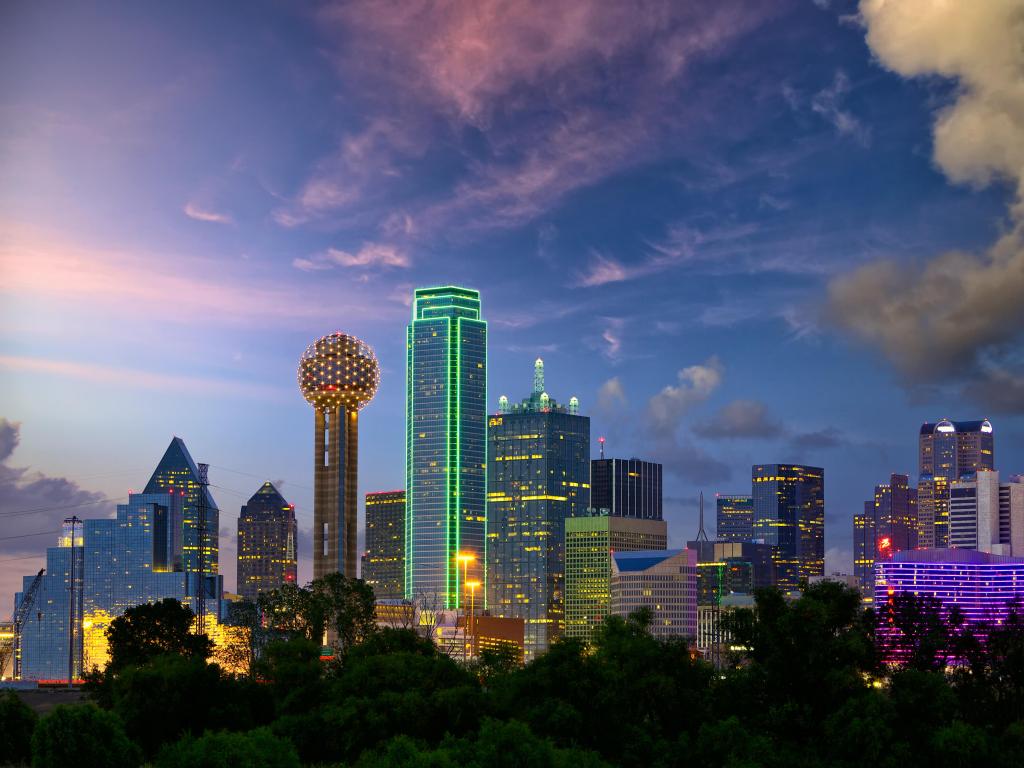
[
  {"x": 369, "y": 255},
  {"x": 194, "y": 211},
  {"x": 696, "y": 383}
]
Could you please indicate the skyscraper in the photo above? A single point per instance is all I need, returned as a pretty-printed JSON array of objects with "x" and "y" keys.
[
  {"x": 267, "y": 534},
  {"x": 949, "y": 451},
  {"x": 789, "y": 514},
  {"x": 338, "y": 376},
  {"x": 538, "y": 475},
  {"x": 446, "y": 445},
  {"x": 589, "y": 544},
  {"x": 890, "y": 519},
  {"x": 987, "y": 515},
  {"x": 865, "y": 544},
  {"x": 735, "y": 518},
  {"x": 626, "y": 487},
  {"x": 384, "y": 559}
]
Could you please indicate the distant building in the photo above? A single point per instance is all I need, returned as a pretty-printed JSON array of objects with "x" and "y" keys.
[
  {"x": 384, "y": 559},
  {"x": 987, "y": 515},
  {"x": 789, "y": 514},
  {"x": 846, "y": 579},
  {"x": 589, "y": 543},
  {"x": 714, "y": 641},
  {"x": 538, "y": 475},
  {"x": 728, "y": 567},
  {"x": 948, "y": 451},
  {"x": 890, "y": 520},
  {"x": 446, "y": 445},
  {"x": 735, "y": 518},
  {"x": 496, "y": 633},
  {"x": 980, "y": 584},
  {"x": 626, "y": 488},
  {"x": 267, "y": 533},
  {"x": 664, "y": 582}
]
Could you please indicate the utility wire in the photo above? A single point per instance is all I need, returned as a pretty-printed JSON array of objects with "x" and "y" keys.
[{"x": 27, "y": 535}]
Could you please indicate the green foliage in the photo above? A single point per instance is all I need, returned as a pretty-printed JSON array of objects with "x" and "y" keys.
[
  {"x": 255, "y": 749},
  {"x": 82, "y": 735},
  {"x": 17, "y": 722},
  {"x": 151, "y": 629}
]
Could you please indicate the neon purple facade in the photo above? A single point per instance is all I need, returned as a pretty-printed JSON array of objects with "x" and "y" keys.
[{"x": 982, "y": 585}]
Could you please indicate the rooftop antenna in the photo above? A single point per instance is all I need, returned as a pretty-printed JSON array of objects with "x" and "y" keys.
[
  {"x": 701, "y": 533},
  {"x": 538, "y": 376},
  {"x": 600, "y": 440}
]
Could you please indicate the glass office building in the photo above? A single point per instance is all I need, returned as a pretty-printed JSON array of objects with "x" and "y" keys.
[
  {"x": 734, "y": 518},
  {"x": 446, "y": 445},
  {"x": 267, "y": 533},
  {"x": 538, "y": 475},
  {"x": 789, "y": 514},
  {"x": 626, "y": 487},
  {"x": 384, "y": 558},
  {"x": 889, "y": 525}
]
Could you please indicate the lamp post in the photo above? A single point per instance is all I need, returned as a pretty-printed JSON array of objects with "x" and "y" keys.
[{"x": 471, "y": 586}]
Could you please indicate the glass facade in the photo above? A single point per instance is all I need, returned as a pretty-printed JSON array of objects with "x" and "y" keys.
[
  {"x": 734, "y": 518},
  {"x": 267, "y": 533},
  {"x": 384, "y": 559},
  {"x": 789, "y": 514},
  {"x": 626, "y": 488},
  {"x": 589, "y": 543},
  {"x": 890, "y": 520},
  {"x": 728, "y": 567},
  {"x": 538, "y": 475},
  {"x": 446, "y": 451}
]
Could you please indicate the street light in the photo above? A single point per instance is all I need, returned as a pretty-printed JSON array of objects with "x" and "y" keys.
[{"x": 471, "y": 586}]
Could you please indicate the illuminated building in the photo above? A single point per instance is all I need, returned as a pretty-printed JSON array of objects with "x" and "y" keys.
[
  {"x": 728, "y": 567},
  {"x": 664, "y": 582},
  {"x": 446, "y": 444},
  {"x": 948, "y": 451},
  {"x": 987, "y": 515},
  {"x": 589, "y": 543},
  {"x": 713, "y": 640},
  {"x": 338, "y": 375},
  {"x": 980, "y": 584},
  {"x": 267, "y": 534},
  {"x": 889, "y": 525},
  {"x": 789, "y": 514},
  {"x": 735, "y": 518},
  {"x": 384, "y": 559},
  {"x": 538, "y": 474},
  {"x": 626, "y": 487},
  {"x": 496, "y": 633}
]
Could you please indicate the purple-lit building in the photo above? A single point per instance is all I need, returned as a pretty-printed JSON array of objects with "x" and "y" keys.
[{"x": 981, "y": 584}]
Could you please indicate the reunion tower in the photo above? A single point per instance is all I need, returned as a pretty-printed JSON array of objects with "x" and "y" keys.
[{"x": 338, "y": 375}]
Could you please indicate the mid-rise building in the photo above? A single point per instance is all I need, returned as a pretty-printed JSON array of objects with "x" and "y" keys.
[
  {"x": 890, "y": 520},
  {"x": 729, "y": 567},
  {"x": 734, "y": 517},
  {"x": 384, "y": 559},
  {"x": 948, "y": 451},
  {"x": 987, "y": 515},
  {"x": 446, "y": 446},
  {"x": 789, "y": 514},
  {"x": 662, "y": 581},
  {"x": 714, "y": 640},
  {"x": 589, "y": 543},
  {"x": 626, "y": 488},
  {"x": 538, "y": 475},
  {"x": 267, "y": 534}
]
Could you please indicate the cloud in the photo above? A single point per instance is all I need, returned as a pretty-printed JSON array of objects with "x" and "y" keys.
[
  {"x": 688, "y": 461},
  {"x": 612, "y": 337},
  {"x": 954, "y": 319},
  {"x": 611, "y": 396},
  {"x": 193, "y": 211},
  {"x": 828, "y": 104},
  {"x": 821, "y": 439},
  {"x": 370, "y": 255},
  {"x": 740, "y": 419},
  {"x": 696, "y": 383},
  {"x": 51, "y": 499},
  {"x": 603, "y": 270}
]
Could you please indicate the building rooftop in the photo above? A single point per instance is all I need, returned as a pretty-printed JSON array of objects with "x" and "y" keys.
[
  {"x": 970, "y": 556},
  {"x": 628, "y": 562}
]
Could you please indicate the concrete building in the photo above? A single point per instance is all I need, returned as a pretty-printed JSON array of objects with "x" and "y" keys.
[
  {"x": 664, "y": 582},
  {"x": 987, "y": 515}
]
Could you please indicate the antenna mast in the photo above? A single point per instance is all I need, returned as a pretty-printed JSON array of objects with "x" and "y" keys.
[{"x": 701, "y": 533}]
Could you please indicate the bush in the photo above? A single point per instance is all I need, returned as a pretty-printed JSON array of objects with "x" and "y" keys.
[
  {"x": 17, "y": 722},
  {"x": 82, "y": 735},
  {"x": 255, "y": 749}
]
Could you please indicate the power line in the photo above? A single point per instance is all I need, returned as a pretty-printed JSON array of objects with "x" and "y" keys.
[
  {"x": 15, "y": 513},
  {"x": 23, "y": 557},
  {"x": 28, "y": 535},
  {"x": 261, "y": 477}
]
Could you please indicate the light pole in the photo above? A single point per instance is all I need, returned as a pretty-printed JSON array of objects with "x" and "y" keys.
[{"x": 471, "y": 586}]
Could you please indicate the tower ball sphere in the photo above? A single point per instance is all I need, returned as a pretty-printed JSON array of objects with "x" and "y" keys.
[{"x": 338, "y": 369}]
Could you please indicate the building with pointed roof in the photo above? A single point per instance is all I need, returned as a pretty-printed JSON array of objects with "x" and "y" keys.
[{"x": 267, "y": 534}]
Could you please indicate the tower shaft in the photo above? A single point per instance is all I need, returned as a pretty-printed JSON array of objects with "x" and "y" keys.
[{"x": 336, "y": 446}]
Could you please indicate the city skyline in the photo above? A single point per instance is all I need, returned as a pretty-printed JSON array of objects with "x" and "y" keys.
[{"x": 685, "y": 251}]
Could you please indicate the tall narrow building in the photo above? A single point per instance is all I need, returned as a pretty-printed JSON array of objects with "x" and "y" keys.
[
  {"x": 948, "y": 451},
  {"x": 789, "y": 514},
  {"x": 446, "y": 446},
  {"x": 538, "y": 475},
  {"x": 384, "y": 558},
  {"x": 889, "y": 525},
  {"x": 626, "y": 488},
  {"x": 734, "y": 518},
  {"x": 267, "y": 534}
]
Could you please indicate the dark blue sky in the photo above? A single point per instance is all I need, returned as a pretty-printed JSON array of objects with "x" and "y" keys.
[{"x": 740, "y": 232}]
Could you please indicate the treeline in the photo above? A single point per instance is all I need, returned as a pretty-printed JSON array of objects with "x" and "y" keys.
[{"x": 807, "y": 689}]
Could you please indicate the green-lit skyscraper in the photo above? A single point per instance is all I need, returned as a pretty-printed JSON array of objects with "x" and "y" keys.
[
  {"x": 538, "y": 476},
  {"x": 446, "y": 446}
]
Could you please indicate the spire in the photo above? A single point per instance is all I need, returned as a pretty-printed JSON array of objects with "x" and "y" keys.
[
  {"x": 538, "y": 376},
  {"x": 701, "y": 533}
]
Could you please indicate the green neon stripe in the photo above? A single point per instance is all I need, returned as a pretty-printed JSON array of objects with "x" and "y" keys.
[
  {"x": 458, "y": 453},
  {"x": 409, "y": 485}
]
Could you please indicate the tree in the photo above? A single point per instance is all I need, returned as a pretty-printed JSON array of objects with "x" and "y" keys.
[
  {"x": 919, "y": 636},
  {"x": 238, "y": 639},
  {"x": 17, "y": 722},
  {"x": 148, "y": 630},
  {"x": 230, "y": 750},
  {"x": 82, "y": 734}
]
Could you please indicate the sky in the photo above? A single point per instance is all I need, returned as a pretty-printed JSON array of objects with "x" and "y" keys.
[{"x": 740, "y": 232}]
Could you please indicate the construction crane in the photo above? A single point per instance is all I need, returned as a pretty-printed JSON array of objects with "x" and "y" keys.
[{"x": 19, "y": 618}]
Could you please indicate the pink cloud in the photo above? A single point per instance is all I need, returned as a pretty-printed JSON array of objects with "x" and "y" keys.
[
  {"x": 368, "y": 256},
  {"x": 194, "y": 211}
]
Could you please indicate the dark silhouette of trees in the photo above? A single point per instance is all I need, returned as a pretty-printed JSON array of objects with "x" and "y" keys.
[{"x": 146, "y": 631}]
